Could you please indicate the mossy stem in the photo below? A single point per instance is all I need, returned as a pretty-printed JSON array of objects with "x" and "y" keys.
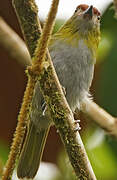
[
  {"x": 32, "y": 79},
  {"x": 20, "y": 129}
]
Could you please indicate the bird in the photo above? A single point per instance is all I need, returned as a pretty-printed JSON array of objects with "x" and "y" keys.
[{"x": 73, "y": 51}]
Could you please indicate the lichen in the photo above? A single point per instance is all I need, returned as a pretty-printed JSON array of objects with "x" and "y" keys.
[{"x": 28, "y": 22}]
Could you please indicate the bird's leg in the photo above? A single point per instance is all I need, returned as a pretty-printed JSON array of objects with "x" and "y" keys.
[
  {"x": 77, "y": 121},
  {"x": 64, "y": 91},
  {"x": 77, "y": 126},
  {"x": 44, "y": 108}
]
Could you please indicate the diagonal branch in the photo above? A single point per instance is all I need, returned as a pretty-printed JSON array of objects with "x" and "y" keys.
[
  {"x": 101, "y": 117},
  {"x": 13, "y": 44}
]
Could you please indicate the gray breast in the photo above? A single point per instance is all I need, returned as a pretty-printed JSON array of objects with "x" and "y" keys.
[{"x": 74, "y": 67}]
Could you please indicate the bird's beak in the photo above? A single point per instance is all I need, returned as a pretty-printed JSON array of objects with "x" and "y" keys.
[{"x": 89, "y": 12}]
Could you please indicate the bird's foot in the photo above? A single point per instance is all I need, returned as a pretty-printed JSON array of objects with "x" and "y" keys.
[
  {"x": 44, "y": 108},
  {"x": 64, "y": 91},
  {"x": 77, "y": 126}
]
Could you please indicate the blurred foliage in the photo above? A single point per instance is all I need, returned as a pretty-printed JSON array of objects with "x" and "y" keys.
[
  {"x": 106, "y": 86},
  {"x": 100, "y": 154},
  {"x": 58, "y": 24},
  {"x": 3, "y": 155},
  {"x": 3, "y": 151}
]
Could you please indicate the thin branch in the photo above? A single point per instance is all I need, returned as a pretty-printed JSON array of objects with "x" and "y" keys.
[
  {"x": 20, "y": 129},
  {"x": 41, "y": 49},
  {"x": 101, "y": 117},
  {"x": 13, "y": 44}
]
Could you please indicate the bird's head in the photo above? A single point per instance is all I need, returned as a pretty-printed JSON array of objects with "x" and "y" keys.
[
  {"x": 84, "y": 24},
  {"x": 86, "y": 19}
]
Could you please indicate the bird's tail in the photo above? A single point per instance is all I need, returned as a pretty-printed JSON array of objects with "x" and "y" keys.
[{"x": 31, "y": 153}]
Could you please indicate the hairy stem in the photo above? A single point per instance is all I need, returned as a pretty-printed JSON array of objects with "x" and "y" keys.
[{"x": 20, "y": 130}]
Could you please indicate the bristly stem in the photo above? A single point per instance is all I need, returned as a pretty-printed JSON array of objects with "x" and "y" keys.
[
  {"x": 25, "y": 108},
  {"x": 20, "y": 130}
]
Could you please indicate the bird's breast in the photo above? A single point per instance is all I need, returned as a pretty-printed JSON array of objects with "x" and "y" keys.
[{"x": 74, "y": 67}]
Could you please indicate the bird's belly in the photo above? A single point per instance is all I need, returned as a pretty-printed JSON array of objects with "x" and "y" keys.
[{"x": 74, "y": 67}]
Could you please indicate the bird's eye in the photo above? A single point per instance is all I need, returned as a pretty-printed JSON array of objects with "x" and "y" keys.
[
  {"x": 98, "y": 18},
  {"x": 76, "y": 10}
]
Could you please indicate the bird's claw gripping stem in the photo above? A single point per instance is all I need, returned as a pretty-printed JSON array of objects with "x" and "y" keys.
[{"x": 77, "y": 126}]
